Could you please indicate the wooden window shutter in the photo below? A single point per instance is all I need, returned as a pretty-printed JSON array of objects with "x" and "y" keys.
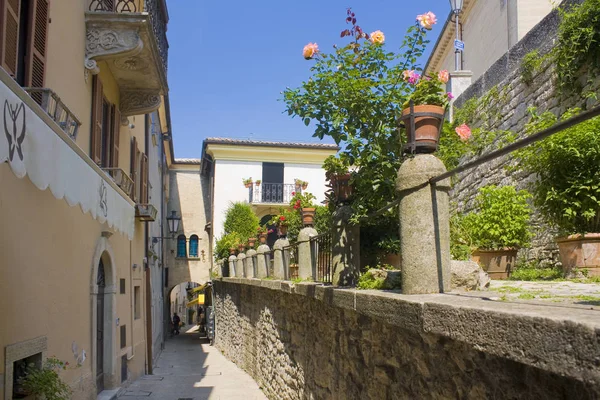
[
  {"x": 37, "y": 35},
  {"x": 116, "y": 136},
  {"x": 144, "y": 179},
  {"x": 96, "y": 132},
  {"x": 9, "y": 35},
  {"x": 133, "y": 168}
]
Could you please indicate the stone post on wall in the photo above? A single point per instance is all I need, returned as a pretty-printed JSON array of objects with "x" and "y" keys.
[
  {"x": 239, "y": 265},
  {"x": 232, "y": 267},
  {"x": 250, "y": 267},
  {"x": 262, "y": 267},
  {"x": 307, "y": 266},
  {"x": 279, "y": 266},
  {"x": 458, "y": 83},
  {"x": 424, "y": 226},
  {"x": 345, "y": 244}
]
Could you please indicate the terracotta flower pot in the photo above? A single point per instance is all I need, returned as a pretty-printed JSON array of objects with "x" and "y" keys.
[
  {"x": 304, "y": 186},
  {"x": 282, "y": 230},
  {"x": 251, "y": 242},
  {"x": 232, "y": 251},
  {"x": 341, "y": 187},
  {"x": 298, "y": 188},
  {"x": 308, "y": 216},
  {"x": 263, "y": 238},
  {"x": 241, "y": 248},
  {"x": 580, "y": 252},
  {"x": 497, "y": 263},
  {"x": 427, "y": 128},
  {"x": 248, "y": 185}
]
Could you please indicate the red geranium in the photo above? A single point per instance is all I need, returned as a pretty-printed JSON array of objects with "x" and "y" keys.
[{"x": 282, "y": 218}]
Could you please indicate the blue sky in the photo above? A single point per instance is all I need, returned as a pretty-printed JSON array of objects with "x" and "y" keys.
[{"x": 229, "y": 61}]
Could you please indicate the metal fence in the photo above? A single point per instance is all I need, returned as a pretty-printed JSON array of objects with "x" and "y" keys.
[
  {"x": 290, "y": 261},
  {"x": 276, "y": 193},
  {"x": 322, "y": 256}
]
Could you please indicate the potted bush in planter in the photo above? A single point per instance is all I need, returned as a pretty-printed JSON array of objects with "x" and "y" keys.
[
  {"x": 258, "y": 182},
  {"x": 304, "y": 185},
  {"x": 281, "y": 220},
  {"x": 247, "y": 182},
  {"x": 428, "y": 101},
  {"x": 498, "y": 228},
  {"x": 339, "y": 176},
  {"x": 263, "y": 233},
  {"x": 567, "y": 189},
  {"x": 303, "y": 202},
  {"x": 251, "y": 242}
]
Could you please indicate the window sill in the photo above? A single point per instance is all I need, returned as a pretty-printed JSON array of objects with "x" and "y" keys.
[{"x": 187, "y": 258}]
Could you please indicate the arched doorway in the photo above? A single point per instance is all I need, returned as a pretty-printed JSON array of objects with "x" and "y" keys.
[
  {"x": 189, "y": 301},
  {"x": 272, "y": 237}
]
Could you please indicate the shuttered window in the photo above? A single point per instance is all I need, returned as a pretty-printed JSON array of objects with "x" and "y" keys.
[
  {"x": 10, "y": 11},
  {"x": 144, "y": 179},
  {"x": 97, "y": 119},
  {"x": 37, "y": 39},
  {"x": 116, "y": 137},
  {"x": 133, "y": 168}
]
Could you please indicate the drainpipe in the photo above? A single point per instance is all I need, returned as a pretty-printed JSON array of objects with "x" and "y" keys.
[
  {"x": 147, "y": 272},
  {"x": 131, "y": 305}
]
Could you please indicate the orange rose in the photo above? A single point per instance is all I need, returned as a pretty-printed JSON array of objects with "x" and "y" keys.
[
  {"x": 444, "y": 76},
  {"x": 310, "y": 50},
  {"x": 464, "y": 132},
  {"x": 377, "y": 37},
  {"x": 427, "y": 20}
]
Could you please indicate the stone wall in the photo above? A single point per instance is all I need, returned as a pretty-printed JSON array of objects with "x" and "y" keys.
[
  {"x": 508, "y": 111},
  {"x": 308, "y": 341}
]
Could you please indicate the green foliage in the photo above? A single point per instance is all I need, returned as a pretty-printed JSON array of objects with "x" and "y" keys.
[
  {"x": 228, "y": 241},
  {"x": 527, "y": 273},
  {"x": 369, "y": 281},
  {"x": 354, "y": 96},
  {"x": 323, "y": 219},
  {"x": 429, "y": 91},
  {"x": 567, "y": 191},
  {"x": 501, "y": 219},
  {"x": 460, "y": 240},
  {"x": 240, "y": 218},
  {"x": 451, "y": 149},
  {"x": 247, "y": 181},
  {"x": 530, "y": 66},
  {"x": 578, "y": 43},
  {"x": 335, "y": 166},
  {"x": 45, "y": 382}
]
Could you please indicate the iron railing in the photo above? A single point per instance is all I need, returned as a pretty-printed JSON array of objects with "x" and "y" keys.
[
  {"x": 274, "y": 193},
  {"x": 154, "y": 8},
  {"x": 56, "y": 109},
  {"x": 121, "y": 178},
  {"x": 321, "y": 248},
  {"x": 290, "y": 261}
]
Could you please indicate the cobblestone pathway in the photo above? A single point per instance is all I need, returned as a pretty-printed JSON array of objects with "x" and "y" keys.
[{"x": 190, "y": 369}]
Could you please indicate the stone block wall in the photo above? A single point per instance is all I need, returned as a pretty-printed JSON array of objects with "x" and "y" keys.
[
  {"x": 507, "y": 110},
  {"x": 312, "y": 342}
]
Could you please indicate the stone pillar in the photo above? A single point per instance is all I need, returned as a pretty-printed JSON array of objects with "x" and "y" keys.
[
  {"x": 232, "y": 260},
  {"x": 262, "y": 267},
  {"x": 239, "y": 265},
  {"x": 345, "y": 243},
  {"x": 279, "y": 269},
  {"x": 458, "y": 83},
  {"x": 307, "y": 265},
  {"x": 250, "y": 267},
  {"x": 424, "y": 226}
]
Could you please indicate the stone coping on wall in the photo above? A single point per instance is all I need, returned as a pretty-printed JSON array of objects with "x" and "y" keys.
[{"x": 559, "y": 339}]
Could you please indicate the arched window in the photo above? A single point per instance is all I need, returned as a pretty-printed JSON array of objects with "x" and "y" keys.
[
  {"x": 194, "y": 246},
  {"x": 181, "y": 250}
]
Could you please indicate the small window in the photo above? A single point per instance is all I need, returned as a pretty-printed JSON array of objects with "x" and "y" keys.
[
  {"x": 123, "y": 336},
  {"x": 136, "y": 302},
  {"x": 194, "y": 246},
  {"x": 181, "y": 250},
  {"x": 122, "y": 286}
]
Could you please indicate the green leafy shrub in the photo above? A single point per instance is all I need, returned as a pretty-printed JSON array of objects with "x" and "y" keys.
[
  {"x": 369, "y": 280},
  {"x": 578, "y": 38},
  {"x": 226, "y": 242},
  {"x": 567, "y": 189},
  {"x": 530, "y": 66},
  {"x": 460, "y": 248},
  {"x": 45, "y": 382},
  {"x": 240, "y": 218},
  {"x": 323, "y": 219},
  {"x": 501, "y": 219}
]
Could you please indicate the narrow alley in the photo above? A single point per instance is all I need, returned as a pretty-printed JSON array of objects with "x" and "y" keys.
[{"x": 190, "y": 369}]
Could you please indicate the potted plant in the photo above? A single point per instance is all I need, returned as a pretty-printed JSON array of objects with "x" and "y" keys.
[
  {"x": 45, "y": 382},
  {"x": 263, "y": 233},
  {"x": 297, "y": 184},
  {"x": 304, "y": 185},
  {"x": 251, "y": 242},
  {"x": 428, "y": 101},
  {"x": 241, "y": 247},
  {"x": 338, "y": 175},
  {"x": 498, "y": 227},
  {"x": 258, "y": 182},
  {"x": 281, "y": 220},
  {"x": 247, "y": 182},
  {"x": 567, "y": 188},
  {"x": 303, "y": 203}
]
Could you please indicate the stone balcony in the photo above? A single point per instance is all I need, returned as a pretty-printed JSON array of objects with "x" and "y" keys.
[{"x": 130, "y": 36}]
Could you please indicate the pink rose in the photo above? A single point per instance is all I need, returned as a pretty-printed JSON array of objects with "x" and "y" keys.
[
  {"x": 310, "y": 50},
  {"x": 414, "y": 79},
  {"x": 407, "y": 74},
  {"x": 444, "y": 76},
  {"x": 377, "y": 37},
  {"x": 427, "y": 20},
  {"x": 450, "y": 96},
  {"x": 464, "y": 132}
]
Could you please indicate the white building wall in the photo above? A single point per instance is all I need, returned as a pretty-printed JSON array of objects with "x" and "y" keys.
[
  {"x": 313, "y": 174},
  {"x": 531, "y": 12},
  {"x": 229, "y": 187}
]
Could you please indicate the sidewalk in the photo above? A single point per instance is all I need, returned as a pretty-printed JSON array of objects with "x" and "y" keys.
[{"x": 190, "y": 369}]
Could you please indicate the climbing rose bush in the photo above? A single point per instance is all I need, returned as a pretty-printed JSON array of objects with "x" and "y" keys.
[{"x": 310, "y": 50}]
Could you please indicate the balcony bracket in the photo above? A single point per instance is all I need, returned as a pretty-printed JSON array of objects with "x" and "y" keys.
[{"x": 127, "y": 44}]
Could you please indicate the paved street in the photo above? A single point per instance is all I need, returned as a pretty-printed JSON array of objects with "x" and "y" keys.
[{"x": 190, "y": 369}]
